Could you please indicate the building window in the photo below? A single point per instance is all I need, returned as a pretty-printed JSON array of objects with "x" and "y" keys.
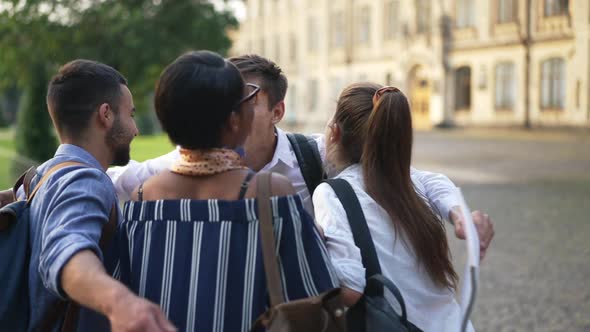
[
  {"x": 290, "y": 112},
  {"x": 505, "y": 89},
  {"x": 556, "y": 7},
  {"x": 312, "y": 34},
  {"x": 337, "y": 30},
  {"x": 262, "y": 46},
  {"x": 293, "y": 48},
  {"x": 391, "y": 19},
  {"x": 463, "y": 88},
  {"x": 277, "y": 49},
  {"x": 364, "y": 26},
  {"x": 553, "y": 84},
  {"x": 465, "y": 13},
  {"x": 336, "y": 85},
  {"x": 507, "y": 11},
  {"x": 313, "y": 95},
  {"x": 260, "y": 9},
  {"x": 423, "y": 16}
]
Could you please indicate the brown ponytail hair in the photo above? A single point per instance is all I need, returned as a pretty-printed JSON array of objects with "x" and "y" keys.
[{"x": 384, "y": 131}]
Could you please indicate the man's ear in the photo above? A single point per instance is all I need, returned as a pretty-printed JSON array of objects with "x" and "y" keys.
[
  {"x": 106, "y": 116},
  {"x": 278, "y": 111}
]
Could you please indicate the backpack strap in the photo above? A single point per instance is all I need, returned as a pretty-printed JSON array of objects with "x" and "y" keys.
[
  {"x": 46, "y": 177},
  {"x": 360, "y": 230},
  {"x": 309, "y": 160}
]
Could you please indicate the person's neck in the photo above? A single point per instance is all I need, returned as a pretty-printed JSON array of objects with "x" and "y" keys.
[
  {"x": 103, "y": 156},
  {"x": 339, "y": 167},
  {"x": 340, "y": 163},
  {"x": 257, "y": 158}
]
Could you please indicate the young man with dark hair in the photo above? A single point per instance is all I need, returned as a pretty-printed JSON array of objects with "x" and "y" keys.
[
  {"x": 269, "y": 148},
  {"x": 92, "y": 110}
]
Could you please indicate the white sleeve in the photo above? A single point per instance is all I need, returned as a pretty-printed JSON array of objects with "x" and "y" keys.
[
  {"x": 320, "y": 140},
  {"x": 129, "y": 177},
  {"x": 344, "y": 254},
  {"x": 438, "y": 190}
]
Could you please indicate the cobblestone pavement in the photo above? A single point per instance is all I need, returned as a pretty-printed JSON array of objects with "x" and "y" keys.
[{"x": 536, "y": 276}]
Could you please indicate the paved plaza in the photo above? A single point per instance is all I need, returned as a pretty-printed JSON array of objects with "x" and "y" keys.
[{"x": 536, "y": 187}]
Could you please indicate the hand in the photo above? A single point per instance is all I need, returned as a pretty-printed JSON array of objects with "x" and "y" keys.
[
  {"x": 483, "y": 225},
  {"x": 6, "y": 197},
  {"x": 132, "y": 313}
]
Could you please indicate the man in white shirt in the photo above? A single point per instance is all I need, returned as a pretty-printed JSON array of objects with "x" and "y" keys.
[{"x": 269, "y": 149}]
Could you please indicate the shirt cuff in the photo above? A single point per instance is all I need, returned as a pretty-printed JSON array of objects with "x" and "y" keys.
[
  {"x": 50, "y": 268},
  {"x": 446, "y": 204},
  {"x": 351, "y": 274}
]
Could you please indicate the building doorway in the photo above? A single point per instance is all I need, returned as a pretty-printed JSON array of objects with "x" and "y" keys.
[{"x": 420, "y": 91}]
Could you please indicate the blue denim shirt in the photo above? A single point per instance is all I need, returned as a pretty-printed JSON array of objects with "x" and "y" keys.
[{"x": 67, "y": 216}]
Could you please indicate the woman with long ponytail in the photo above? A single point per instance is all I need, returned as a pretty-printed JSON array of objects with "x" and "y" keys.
[{"x": 369, "y": 144}]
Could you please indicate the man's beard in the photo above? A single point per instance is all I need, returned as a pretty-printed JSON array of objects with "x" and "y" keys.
[{"x": 119, "y": 142}]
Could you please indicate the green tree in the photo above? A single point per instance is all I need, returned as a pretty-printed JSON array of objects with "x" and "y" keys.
[
  {"x": 137, "y": 37},
  {"x": 35, "y": 138}
]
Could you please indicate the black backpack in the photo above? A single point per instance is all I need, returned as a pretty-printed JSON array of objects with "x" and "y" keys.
[
  {"x": 309, "y": 160},
  {"x": 372, "y": 312}
]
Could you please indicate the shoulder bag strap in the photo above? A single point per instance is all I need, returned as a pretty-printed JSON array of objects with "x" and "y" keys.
[
  {"x": 358, "y": 225},
  {"x": 271, "y": 269},
  {"x": 309, "y": 160}
]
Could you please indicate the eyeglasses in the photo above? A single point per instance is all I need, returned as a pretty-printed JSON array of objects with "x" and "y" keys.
[{"x": 250, "y": 97}]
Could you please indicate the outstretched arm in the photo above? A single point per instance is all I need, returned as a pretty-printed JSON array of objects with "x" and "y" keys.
[
  {"x": 441, "y": 193},
  {"x": 85, "y": 280},
  {"x": 129, "y": 177}
]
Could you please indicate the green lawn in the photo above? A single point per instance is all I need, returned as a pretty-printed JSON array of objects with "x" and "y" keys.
[
  {"x": 147, "y": 147},
  {"x": 142, "y": 148}
]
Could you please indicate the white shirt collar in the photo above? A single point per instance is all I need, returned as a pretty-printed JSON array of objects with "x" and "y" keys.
[{"x": 283, "y": 151}]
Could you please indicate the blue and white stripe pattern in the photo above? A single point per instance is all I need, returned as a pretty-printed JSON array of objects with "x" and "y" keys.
[{"x": 201, "y": 261}]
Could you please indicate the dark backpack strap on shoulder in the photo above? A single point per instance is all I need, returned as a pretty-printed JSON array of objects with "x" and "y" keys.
[
  {"x": 309, "y": 159},
  {"x": 358, "y": 225}
]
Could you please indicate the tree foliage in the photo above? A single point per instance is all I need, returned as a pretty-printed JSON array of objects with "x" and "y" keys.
[
  {"x": 34, "y": 134},
  {"x": 137, "y": 37}
]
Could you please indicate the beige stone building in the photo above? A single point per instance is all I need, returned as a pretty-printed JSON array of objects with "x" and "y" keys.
[{"x": 464, "y": 62}]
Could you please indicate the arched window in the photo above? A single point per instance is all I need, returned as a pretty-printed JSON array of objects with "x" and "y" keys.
[
  {"x": 463, "y": 88},
  {"x": 553, "y": 84}
]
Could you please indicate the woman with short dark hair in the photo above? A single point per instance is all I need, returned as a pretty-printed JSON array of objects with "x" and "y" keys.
[{"x": 190, "y": 238}]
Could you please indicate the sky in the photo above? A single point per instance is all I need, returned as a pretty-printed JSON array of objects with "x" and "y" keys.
[{"x": 237, "y": 6}]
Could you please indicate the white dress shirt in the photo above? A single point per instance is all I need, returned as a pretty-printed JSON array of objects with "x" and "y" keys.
[
  {"x": 428, "y": 306},
  {"x": 439, "y": 190}
]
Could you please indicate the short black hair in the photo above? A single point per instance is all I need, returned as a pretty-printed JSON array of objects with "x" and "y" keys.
[
  {"x": 195, "y": 96},
  {"x": 273, "y": 80},
  {"x": 78, "y": 89}
]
